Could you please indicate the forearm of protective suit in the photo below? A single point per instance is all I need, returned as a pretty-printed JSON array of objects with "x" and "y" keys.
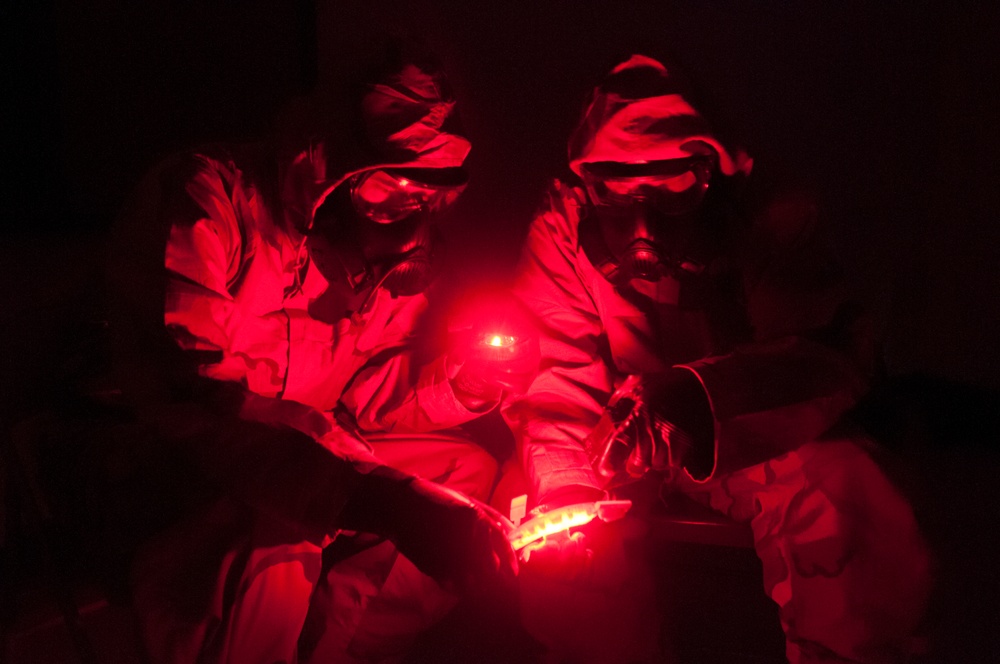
[
  {"x": 374, "y": 505},
  {"x": 387, "y": 397},
  {"x": 271, "y": 467},
  {"x": 565, "y": 401},
  {"x": 768, "y": 399},
  {"x": 811, "y": 357},
  {"x": 207, "y": 245}
]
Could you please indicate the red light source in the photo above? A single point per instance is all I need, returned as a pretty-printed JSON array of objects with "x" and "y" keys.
[
  {"x": 499, "y": 340},
  {"x": 498, "y": 348},
  {"x": 563, "y": 519}
]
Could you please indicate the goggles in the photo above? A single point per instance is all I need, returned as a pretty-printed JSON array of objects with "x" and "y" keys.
[
  {"x": 389, "y": 195},
  {"x": 672, "y": 186}
]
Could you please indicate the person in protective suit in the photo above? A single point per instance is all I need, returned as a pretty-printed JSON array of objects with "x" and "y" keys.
[
  {"x": 728, "y": 354},
  {"x": 267, "y": 299}
]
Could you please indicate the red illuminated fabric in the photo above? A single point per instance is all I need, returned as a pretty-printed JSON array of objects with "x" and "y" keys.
[
  {"x": 406, "y": 116},
  {"x": 617, "y": 127},
  {"x": 843, "y": 556},
  {"x": 769, "y": 393},
  {"x": 243, "y": 283},
  {"x": 769, "y": 388},
  {"x": 213, "y": 276},
  {"x": 822, "y": 512},
  {"x": 369, "y": 607},
  {"x": 406, "y": 120},
  {"x": 243, "y": 286}
]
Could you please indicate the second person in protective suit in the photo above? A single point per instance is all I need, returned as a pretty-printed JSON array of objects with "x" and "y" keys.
[{"x": 682, "y": 336}]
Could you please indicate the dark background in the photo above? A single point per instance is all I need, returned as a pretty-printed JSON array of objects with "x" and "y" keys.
[{"x": 889, "y": 110}]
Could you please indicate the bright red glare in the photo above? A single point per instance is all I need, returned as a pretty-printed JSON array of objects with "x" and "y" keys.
[
  {"x": 547, "y": 525},
  {"x": 562, "y": 519},
  {"x": 499, "y": 340}
]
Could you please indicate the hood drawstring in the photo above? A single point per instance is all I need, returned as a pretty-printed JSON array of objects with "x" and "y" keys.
[{"x": 299, "y": 268}]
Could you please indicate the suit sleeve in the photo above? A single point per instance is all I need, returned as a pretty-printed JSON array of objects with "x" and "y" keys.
[
  {"x": 574, "y": 383},
  {"x": 397, "y": 389},
  {"x": 182, "y": 358},
  {"x": 811, "y": 356}
]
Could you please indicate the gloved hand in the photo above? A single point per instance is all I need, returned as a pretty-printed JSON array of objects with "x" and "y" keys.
[
  {"x": 564, "y": 556},
  {"x": 653, "y": 422},
  {"x": 678, "y": 414},
  {"x": 486, "y": 365},
  {"x": 456, "y": 540}
]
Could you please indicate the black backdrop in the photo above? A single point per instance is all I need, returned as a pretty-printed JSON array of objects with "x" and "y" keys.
[{"x": 887, "y": 108}]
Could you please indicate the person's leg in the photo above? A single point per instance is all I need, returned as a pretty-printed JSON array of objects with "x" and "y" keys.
[
  {"x": 225, "y": 586},
  {"x": 268, "y": 604},
  {"x": 842, "y": 553},
  {"x": 371, "y": 606}
]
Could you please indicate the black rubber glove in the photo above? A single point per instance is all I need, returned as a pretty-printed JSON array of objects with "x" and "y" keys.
[
  {"x": 679, "y": 413},
  {"x": 452, "y": 538}
]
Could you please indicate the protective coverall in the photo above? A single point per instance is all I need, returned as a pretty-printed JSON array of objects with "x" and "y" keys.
[
  {"x": 842, "y": 554},
  {"x": 259, "y": 310}
]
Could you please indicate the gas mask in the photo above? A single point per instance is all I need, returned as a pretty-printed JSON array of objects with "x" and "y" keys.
[
  {"x": 385, "y": 225},
  {"x": 643, "y": 221}
]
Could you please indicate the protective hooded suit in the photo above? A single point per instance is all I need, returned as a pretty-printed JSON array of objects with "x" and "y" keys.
[
  {"x": 280, "y": 362},
  {"x": 756, "y": 315}
]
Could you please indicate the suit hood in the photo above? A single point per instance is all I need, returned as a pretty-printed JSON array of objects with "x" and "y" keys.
[
  {"x": 638, "y": 114},
  {"x": 405, "y": 119}
]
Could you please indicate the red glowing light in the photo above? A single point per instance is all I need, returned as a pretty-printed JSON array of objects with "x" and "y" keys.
[
  {"x": 499, "y": 340},
  {"x": 547, "y": 525},
  {"x": 564, "y": 518}
]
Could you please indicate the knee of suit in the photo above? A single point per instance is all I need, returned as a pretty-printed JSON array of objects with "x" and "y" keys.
[{"x": 842, "y": 463}]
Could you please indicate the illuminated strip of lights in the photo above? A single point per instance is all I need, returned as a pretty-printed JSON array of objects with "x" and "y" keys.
[{"x": 557, "y": 521}]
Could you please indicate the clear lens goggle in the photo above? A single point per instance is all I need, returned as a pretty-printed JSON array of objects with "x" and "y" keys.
[
  {"x": 672, "y": 186},
  {"x": 389, "y": 195}
]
